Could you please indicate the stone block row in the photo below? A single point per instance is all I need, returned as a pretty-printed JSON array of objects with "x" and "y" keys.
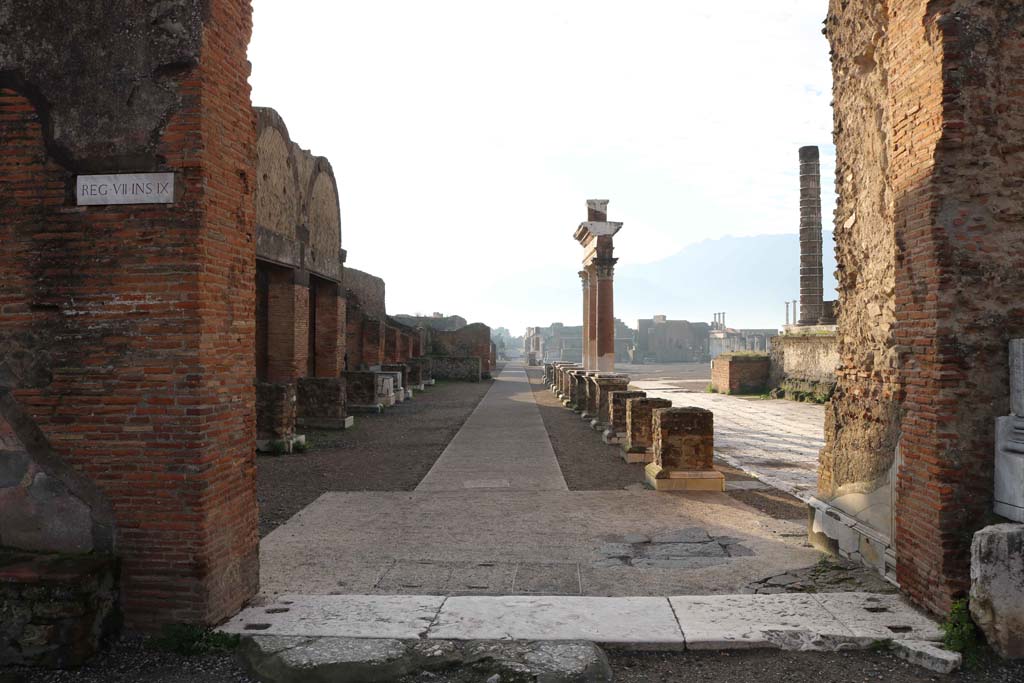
[{"x": 676, "y": 445}]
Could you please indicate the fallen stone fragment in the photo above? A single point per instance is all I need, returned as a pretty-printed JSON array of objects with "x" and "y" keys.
[
  {"x": 296, "y": 659},
  {"x": 927, "y": 655},
  {"x": 997, "y": 587}
]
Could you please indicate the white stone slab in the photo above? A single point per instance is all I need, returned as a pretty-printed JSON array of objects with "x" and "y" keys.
[
  {"x": 124, "y": 188},
  {"x": 350, "y": 616},
  {"x": 791, "y": 621},
  {"x": 879, "y": 616},
  {"x": 640, "y": 621}
]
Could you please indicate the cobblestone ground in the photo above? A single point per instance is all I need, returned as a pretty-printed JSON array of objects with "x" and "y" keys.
[{"x": 775, "y": 440}]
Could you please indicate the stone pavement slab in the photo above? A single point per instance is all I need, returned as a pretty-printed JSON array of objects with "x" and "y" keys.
[
  {"x": 503, "y": 444},
  {"x": 350, "y": 616},
  {"x": 624, "y": 621},
  {"x": 794, "y": 621},
  {"x": 777, "y": 441},
  {"x": 369, "y": 542}
]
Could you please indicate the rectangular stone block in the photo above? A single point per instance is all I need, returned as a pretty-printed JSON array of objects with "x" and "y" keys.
[
  {"x": 321, "y": 403},
  {"x": 639, "y": 418},
  {"x": 275, "y": 411},
  {"x": 605, "y": 385},
  {"x": 617, "y": 409},
  {"x": 360, "y": 388},
  {"x": 740, "y": 373},
  {"x": 683, "y": 441}
]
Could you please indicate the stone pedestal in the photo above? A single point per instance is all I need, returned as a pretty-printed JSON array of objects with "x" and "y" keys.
[
  {"x": 997, "y": 587},
  {"x": 321, "y": 403},
  {"x": 639, "y": 446},
  {"x": 385, "y": 388},
  {"x": 590, "y": 397},
  {"x": 605, "y": 385},
  {"x": 575, "y": 395},
  {"x": 276, "y": 417},
  {"x": 616, "y": 432},
  {"x": 684, "y": 451}
]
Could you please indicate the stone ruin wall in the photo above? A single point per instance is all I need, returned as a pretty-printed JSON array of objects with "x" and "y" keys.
[
  {"x": 127, "y": 334},
  {"x": 367, "y": 292},
  {"x": 929, "y": 119},
  {"x": 297, "y": 196}
]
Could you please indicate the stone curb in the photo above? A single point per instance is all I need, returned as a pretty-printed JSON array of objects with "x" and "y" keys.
[{"x": 793, "y": 621}]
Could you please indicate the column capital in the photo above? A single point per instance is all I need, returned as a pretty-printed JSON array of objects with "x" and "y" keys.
[
  {"x": 585, "y": 278},
  {"x": 605, "y": 268}
]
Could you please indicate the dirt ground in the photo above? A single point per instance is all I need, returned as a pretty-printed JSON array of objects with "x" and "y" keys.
[
  {"x": 390, "y": 451},
  {"x": 589, "y": 464}
]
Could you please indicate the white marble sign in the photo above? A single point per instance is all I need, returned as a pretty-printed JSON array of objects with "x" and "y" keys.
[{"x": 125, "y": 188}]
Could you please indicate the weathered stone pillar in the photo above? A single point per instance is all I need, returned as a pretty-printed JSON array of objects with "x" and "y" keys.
[
  {"x": 639, "y": 446},
  {"x": 585, "y": 281},
  {"x": 616, "y": 431},
  {"x": 330, "y": 330},
  {"x": 811, "y": 283},
  {"x": 595, "y": 236},
  {"x": 684, "y": 451},
  {"x": 373, "y": 342},
  {"x": 604, "y": 269},
  {"x": 606, "y": 384}
]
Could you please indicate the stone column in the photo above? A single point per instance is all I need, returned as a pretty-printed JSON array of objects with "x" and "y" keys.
[
  {"x": 604, "y": 269},
  {"x": 684, "y": 451},
  {"x": 592, "y": 321},
  {"x": 810, "y": 237},
  {"x": 585, "y": 281}
]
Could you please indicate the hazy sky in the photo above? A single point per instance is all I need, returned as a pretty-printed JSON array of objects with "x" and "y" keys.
[{"x": 467, "y": 135}]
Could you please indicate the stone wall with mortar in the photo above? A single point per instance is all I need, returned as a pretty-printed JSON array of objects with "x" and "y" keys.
[
  {"x": 296, "y": 200},
  {"x": 803, "y": 366},
  {"x": 928, "y": 225},
  {"x": 459, "y": 368},
  {"x": 367, "y": 292},
  {"x": 127, "y": 333},
  {"x": 471, "y": 340},
  {"x": 739, "y": 373}
]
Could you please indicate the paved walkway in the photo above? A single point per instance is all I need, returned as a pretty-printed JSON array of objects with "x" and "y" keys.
[
  {"x": 494, "y": 516},
  {"x": 503, "y": 444},
  {"x": 777, "y": 441}
]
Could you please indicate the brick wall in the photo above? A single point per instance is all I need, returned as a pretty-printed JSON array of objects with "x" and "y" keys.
[
  {"x": 927, "y": 230},
  {"x": 139, "y": 321},
  {"x": 460, "y": 368},
  {"x": 471, "y": 340},
  {"x": 739, "y": 374}
]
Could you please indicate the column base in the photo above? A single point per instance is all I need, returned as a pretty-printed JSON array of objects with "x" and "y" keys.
[
  {"x": 661, "y": 479},
  {"x": 286, "y": 445},
  {"x": 613, "y": 438},
  {"x": 365, "y": 409},
  {"x": 326, "y": 422},
  {"x": 598, "y": 426},
  {"x": 637, "y": 455}
]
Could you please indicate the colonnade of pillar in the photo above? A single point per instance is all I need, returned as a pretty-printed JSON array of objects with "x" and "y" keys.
[{"x": 597, "y": 276}]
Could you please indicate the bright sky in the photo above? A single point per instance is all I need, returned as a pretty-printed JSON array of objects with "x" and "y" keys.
[{"x": 466, "y": 135}]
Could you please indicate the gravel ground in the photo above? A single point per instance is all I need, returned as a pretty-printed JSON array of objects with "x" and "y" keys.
[
  {"x": 390, "y": 451},
  {"x": 588, "y": 464},
  {"x": 771, "y": 666},
  {"x": 130, "y": 660}
]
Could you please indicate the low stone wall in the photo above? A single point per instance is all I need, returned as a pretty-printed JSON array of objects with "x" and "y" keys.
[
  {"x": 275, "y": 411},
  {"x": 803, "y": 366},
  {"x": 458, "y": 368},
  {"x": 321, "y": 402},
  {"x": 55, "y": 609},
  {"x": 739, "y": 373}
]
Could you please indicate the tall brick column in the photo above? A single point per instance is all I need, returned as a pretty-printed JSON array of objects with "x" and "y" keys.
[
  {"x": 595, "y": 236},
  {"x": 585, "y": 280},
  {"x": 287, "y": 325},
  {"x": 811, "y": 282},
  {"x": 373, "y": 342},
  {"x": 604, "y": 269},
  {"x": 330, "y": 330},
  {"x": 133, "y": 326}
]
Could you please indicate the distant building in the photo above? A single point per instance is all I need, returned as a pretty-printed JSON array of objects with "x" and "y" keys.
[
  {"x": 565, "y": 343},
  {"x": 660, "y": 340}
]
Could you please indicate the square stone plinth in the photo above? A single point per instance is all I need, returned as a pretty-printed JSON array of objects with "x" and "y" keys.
[
  {"x": 683, "y": 480},
  {"x": 639, "y": 421},
  {"x": 683, "y": 451}
]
